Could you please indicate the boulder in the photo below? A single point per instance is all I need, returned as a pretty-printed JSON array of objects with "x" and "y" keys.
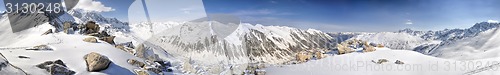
[
  {"x": 67, "y": 28},
  {"x": 319, "y": 55},
  {"x": 90, "y": 39},
  {"x": 66, "y": 25},
  {"x": 96, "y": 62},
  {"x": 155, "y": 70},
  {"x": 135, "y": 63},
  {"x": 127, "y": 44},
  {"x": 141, "y": 72},
  {"x": 380, "y": 61},
  {"x": 48, "y": 32},
  {"x": 399, "y": 62},
  {"x": 26, "y": 57},
  {"x": 164, "y": 65},
  {"x": 91, "y": 27},
  {"x": 109, "y": 40},
  {"x": 39, "y": 47},
  {"x": 380, "y": 46},
  {"x": 55, "y": 68}
]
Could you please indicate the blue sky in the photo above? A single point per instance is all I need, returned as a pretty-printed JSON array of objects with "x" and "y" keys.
[
  {"x": 345, "y": 15},
  {"x": 362, "y": 15}
]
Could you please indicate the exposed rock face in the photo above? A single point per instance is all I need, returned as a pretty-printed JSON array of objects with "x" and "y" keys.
[
  {"x": 55, "y": 68},
  {"x": 96, "y": 62},
  {"x": 303, "y": 56},
  {"x": 319, "y": 55},
  {"x": 367, "y": 47},
  {"x": 90, "y": 39},
  {"x": 91, "y": 27},
  {"x": 127, "y": 44},
  {"x": 109, "y": 40},
  {"x": 48, "y": 32},
  {"x": 343, "y": 49},
  {"x": 68, "y": 27},
  {"x": 140, "y": 51}
]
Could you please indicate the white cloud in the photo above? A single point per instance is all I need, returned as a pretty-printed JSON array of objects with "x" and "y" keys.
[
  {"x": 492, "y": 21},
  {"x": 409, "y": 22},
  {"x": 91, "y": 5}
]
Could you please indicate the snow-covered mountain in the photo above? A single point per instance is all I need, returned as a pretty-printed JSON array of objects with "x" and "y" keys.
[
  {"x": 189, "y": 45},
  {"x": 449, "y": 43},
  {"x": 248, "y": 44}
]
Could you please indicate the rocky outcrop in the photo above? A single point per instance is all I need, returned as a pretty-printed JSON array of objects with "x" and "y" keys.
[
  {"x": 255, "y": 69},
  {"x": 319, "y": 55},
  {"x": 303, "y": 56},
  {"x": 55, "y": 67},
  {"x": 96, "y": 62},
  {"x": 40, "y": 47},
  {"x": 380, "y": 61},
  {"x": 90, "y": 39},
  {"x": 91, "y": 27},
  {"x": 399, "y": 62},
  {"x": 136, "y": 63},
  {"x": 141, "y": 72},
  {"x": 69, "y": 27},
  {"x": 48, "y": 32},
  {"x": 367, "y": 47},
  {"x": 380, "y": 46},
  {"x": 343, "y": 49},
  {"x": 140, "y": 51},
  {"x": 109, "y": 40},
  {"x": 126, "y": 49}
]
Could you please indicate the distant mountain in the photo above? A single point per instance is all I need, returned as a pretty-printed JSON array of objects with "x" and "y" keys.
[
  {"x": 440, "y": 43},
  {"x": 248, "y": 44}
]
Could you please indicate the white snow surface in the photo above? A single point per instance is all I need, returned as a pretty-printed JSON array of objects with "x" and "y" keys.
[{"x": 361, "y": 64}]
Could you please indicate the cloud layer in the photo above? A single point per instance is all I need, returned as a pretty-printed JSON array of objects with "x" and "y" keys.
[{"x": 91, "y": 5}]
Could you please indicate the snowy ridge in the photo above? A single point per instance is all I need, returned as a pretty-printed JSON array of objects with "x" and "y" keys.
[
  {"x": 248, "y": 44},
  {"x": 463, "y": 44}
]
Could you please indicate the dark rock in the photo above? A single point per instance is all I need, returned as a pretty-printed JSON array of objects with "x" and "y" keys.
[
  {"x": 23, "y": 57},
  {"x": 399, "y": 62},
  {"x": 109, "y": 40},
  {"x": 55, "y": 68},
  {"x": 48, "y": 32}
]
